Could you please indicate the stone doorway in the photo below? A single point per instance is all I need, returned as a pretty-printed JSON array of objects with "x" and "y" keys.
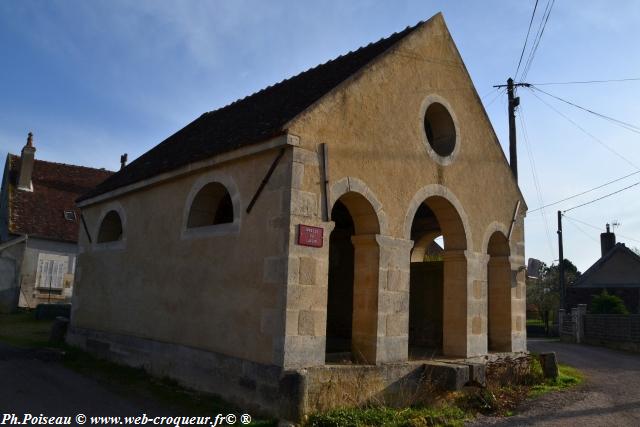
[
  {"x": 352, "y": 303},
  {"x": 499, "y": 294},
  {"x": 438, "y": 282}
]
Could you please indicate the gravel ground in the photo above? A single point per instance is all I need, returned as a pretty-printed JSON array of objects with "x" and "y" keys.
[{"x": 609, "y": 396}]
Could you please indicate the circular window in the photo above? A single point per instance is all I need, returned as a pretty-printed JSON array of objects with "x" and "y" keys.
[{"x": 440, "y": 129}]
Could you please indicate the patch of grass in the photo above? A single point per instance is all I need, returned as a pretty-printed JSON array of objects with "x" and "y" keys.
[
  {"x": 22, "y": 330},
  {"x": 382, "y": 416},
  {"x": 535, "y": 322},
  {"x": 567, "y": 377}
]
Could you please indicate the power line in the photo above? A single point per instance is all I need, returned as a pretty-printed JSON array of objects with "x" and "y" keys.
[
  {"x": 584, "y": 192},
  {"x": 535, "y": 178},
  {"x": 586, "y": 82},
  {"x": 626, "y": 125},
  {"x": 541, "y": 28},
  {"x": 498, "y": 95},
  {"x": 599, "y": 141},
  {"x": 595, "y": 227},
  {"x": 526, "y": 39},
  {"x": 581, "y": 230},
  {"x": 488, "y": 93},
  {"x": 603, "y": 197}
]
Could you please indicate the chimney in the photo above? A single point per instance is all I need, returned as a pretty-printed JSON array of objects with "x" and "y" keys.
[
  {"x": 607, "y": 241},
  {"x": 123, "y": 161},
  {"x": 27, "y": 158}
]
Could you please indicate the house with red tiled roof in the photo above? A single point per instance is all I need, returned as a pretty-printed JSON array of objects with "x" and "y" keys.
[{"x": 39, "y": 226}]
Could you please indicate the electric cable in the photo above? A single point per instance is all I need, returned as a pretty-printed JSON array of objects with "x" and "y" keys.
[
  {"x": 602, "y": 197},
  {"x": 599, "y": 141},
  {"x": 536, "y": 182},
  {"x": 526, "y": 39},
  {"x": 584, "y": 192},
  {"x": 628, "y": 126}
]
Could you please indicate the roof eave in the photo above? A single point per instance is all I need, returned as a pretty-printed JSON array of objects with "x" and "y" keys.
[{"x": 280, "y": 141}]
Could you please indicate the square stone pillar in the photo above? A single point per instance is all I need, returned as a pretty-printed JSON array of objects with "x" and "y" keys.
[
  {"x": 393, "y": 299},
  {"x": 500, "y": 313},
  {"x": 380, "y": 332},
  {"x": 304, "y": 318},
  {"x": 518, "y": 305},
  {"x": 456, "y": 323},
  {"x": 366, "y": 274}
]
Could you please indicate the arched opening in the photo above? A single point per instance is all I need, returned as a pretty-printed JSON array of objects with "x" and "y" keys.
[
  {"x": 438, "y": 282},
  {"x": 352, "y": 307},
  {"x": 499, "y": 293},
  {"x": 111, "y": 228},
  {"x": 211, "y": 206}
]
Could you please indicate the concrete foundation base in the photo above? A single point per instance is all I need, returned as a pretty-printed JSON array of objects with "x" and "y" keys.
[{"x": 287, "y": 394}]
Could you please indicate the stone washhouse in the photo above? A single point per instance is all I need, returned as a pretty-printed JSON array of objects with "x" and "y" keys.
[{"x": 279, "y": 244}]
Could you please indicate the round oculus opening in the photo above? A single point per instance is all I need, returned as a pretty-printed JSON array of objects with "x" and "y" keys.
[{"x": 440, "y": 129}]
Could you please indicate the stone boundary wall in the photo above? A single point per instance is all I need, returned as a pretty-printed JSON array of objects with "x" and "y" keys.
[
  {"x": 571, "y": 325},
  {"x": 613, "y": 330}
]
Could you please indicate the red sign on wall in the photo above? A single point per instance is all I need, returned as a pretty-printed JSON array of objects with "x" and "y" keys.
[{"x": 310, "y": 236}]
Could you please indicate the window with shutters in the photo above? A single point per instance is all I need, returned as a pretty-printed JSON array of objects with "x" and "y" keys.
[{"x": 51, "y": 270}]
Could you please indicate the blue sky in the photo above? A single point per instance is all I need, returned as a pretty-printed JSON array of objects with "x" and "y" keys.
[{"x": 95, "y": 79}]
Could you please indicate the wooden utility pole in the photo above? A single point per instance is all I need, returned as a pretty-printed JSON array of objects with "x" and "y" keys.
[
  {"x": 514, "y": 101},
  {"x": 561, "y": 262}
]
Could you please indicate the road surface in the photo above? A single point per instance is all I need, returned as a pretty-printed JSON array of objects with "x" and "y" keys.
[{"x": 609, "y": 396}]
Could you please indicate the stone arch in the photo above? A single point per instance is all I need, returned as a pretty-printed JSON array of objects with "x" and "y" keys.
[
  {"x": 227, "y": 181},
  {"x": 452, "y": 208},
  {"x": 439, "y": 319},
  {"x": 421, "y": 245},
  {"x": 352, "y": 301},
  {"x": 354, "y": 185},
  {"x": 107, "y": 209},
  {"x": 495, "y": 226}
]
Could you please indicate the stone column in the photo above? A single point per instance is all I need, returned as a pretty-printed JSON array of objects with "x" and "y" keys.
[
  {"x": 500, "y": 298},
  {"x": 365, "y": 298},
  {"x": 393, "y": 299},
  {"x": 518, "y": 305},
  {"x": 477, "y": 302},
  {"x": 456, "y": 319}
]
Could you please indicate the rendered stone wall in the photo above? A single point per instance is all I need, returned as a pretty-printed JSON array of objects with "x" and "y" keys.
[{"x": 215, "y": 289}]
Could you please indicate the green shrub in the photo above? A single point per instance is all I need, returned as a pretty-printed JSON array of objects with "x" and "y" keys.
[{"x": 607, "y": 304}]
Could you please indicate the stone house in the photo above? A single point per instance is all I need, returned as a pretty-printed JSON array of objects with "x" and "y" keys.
[
  {"x": 617, "y": 271},
  {"x": 39, "y": 225},
  {"x": 288, "y": 232}
]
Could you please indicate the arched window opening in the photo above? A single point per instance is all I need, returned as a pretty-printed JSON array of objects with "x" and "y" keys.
[
  {"x": 110, "y": 228},
  {"x": 211, "y": 206}
]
